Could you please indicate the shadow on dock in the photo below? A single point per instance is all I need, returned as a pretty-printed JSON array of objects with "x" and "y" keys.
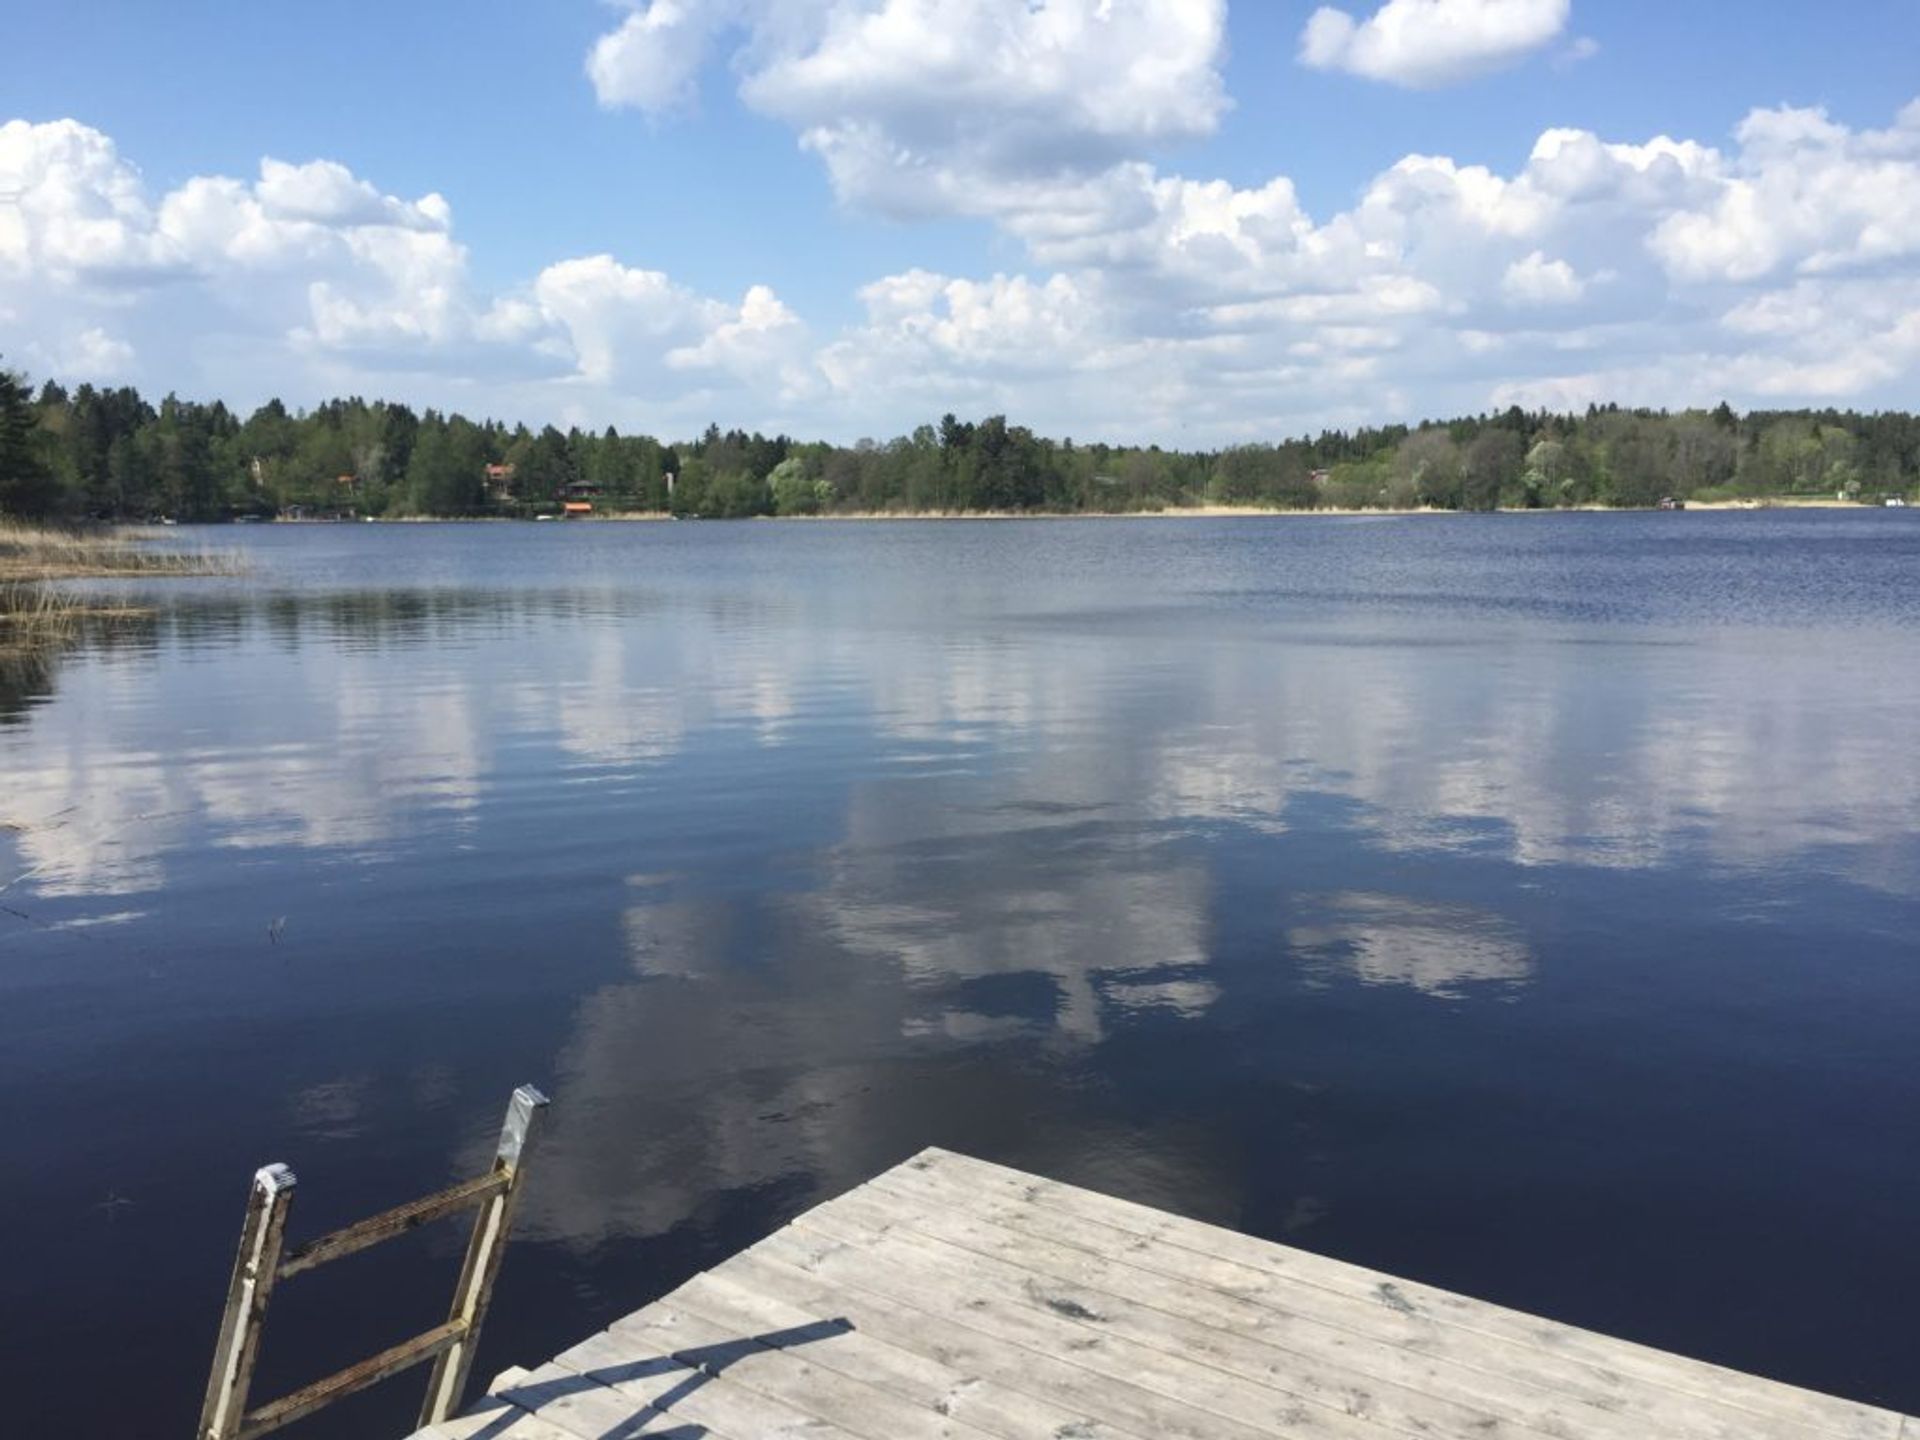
[{"x": 703, "y": 1365}]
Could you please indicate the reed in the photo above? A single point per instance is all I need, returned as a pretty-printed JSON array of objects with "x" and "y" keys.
[
  {"x": 35, "y": 614},
  {"x": 40, "y": 617},
  {"x": 40, "y": 553}
]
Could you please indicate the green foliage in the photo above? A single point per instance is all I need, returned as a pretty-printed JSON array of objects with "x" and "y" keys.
[
  {"x": 446, "y": 474},
  {"x": 111, "y": 454},
  {"x": 1428, "y": 467},
  {"x": 795, "y": 490},
  {"x": 1492, "y": 470},
  {"x": 548, "y": 466},
  {"x": 1275, "y": 475},
  {"x": 27, "y": 485}
]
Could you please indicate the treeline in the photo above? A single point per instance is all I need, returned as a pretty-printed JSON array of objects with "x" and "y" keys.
[{"x": 111, "y": 454}]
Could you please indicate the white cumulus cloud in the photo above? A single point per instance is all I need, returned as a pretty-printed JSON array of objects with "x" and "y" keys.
[
  {"x": 1778, "y": 266},
  {"x": 1536, "y": 280},
  {"x": 74, "y": 206},
  {"x": 1424, "y": 44},
  {"x": 913, "y": 105},
  {"x": 96, "y": 355},
  {"x": 309, "y": 278},
  {"x": 652, "y": 59},
  {"x": 1202, "y": 306},
  {"x": 1805, "y": 194}
]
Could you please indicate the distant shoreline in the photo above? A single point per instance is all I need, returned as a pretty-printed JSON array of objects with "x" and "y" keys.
[
  {"x": 1182, "y": 512},
  {"x": 1254, "y": 512}
]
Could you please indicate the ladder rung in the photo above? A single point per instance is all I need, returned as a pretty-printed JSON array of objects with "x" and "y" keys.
[
  {"x": 397, "y": 1221},
  {"x": 343, "y": 1383}
]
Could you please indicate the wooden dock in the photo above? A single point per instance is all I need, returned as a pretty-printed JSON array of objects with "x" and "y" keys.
[{"x": 953, "y": 1298}]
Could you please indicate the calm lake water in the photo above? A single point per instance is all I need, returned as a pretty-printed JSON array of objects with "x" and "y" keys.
[{"x": 1522, "y": 904}]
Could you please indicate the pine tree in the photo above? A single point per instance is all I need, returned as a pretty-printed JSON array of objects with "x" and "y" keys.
[{"x": 26, "y": 485}]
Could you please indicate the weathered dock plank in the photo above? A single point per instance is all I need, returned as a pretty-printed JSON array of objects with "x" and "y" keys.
[
  {"x": 1374, "y": 1342},
  {"x": 1107, "y": 1401},
  {"x": 742, "y": 1299},
  {"x": 1300, "y": 1359},
  {"x": 1637, "y": 1363},
  {"x": 688, "y": 1388},
  {"x": 952, "y": 1299},
  {"x": 496, "y": 1418}
]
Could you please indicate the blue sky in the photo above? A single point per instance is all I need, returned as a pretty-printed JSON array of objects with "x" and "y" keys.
[{"x": 1169, "y": 220}]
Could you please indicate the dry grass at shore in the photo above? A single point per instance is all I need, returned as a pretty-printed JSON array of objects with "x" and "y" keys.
[
  {"x": 32, "y": 553},
  {"x": 39, "y": 617},
  {"x": 35, "y": 614}
]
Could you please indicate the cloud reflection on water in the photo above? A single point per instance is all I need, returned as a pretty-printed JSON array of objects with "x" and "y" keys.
[
  {"x": 1439, "y": 950},
  {"x": 1573, "y": 756},
  {"x": 774, "y": 868}
]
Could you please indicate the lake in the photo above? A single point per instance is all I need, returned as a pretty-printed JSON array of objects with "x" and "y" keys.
[{"x": 1522, "y": 904}]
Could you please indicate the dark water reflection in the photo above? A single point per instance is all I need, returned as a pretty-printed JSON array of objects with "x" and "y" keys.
[{"x": 1525, "y": 905}]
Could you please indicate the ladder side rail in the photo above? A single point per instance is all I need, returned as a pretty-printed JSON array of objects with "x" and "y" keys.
[
  {"x": 256, "y": 1265},
  {"x": 474, "y": 1291}
]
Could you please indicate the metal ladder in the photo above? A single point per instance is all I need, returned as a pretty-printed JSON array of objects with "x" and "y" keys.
[{"x": 259, "y": 1266}]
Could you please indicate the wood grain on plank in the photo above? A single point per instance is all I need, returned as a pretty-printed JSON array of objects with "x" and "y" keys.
[
  {"x": 1532, "y": 1386},
  {"x": 1020, "y": 1361},
  {"x": 495, "y": 1419},
  {"x": 1825, "y": 1414},
  {"x": 782, "y": 1367},
  {"x": 954, "y": 1299},
  {"x": 630, "y": 1363},
  {"x": 731, "y": 1296},
  {"x": 1050, "y": 1319},
  {"x": 587, "y": 1409},
  {"x": 1164, "y": 1322}
]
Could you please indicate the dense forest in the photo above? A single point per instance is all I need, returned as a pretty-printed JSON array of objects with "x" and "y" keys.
[{"x": 91, "y": 453}]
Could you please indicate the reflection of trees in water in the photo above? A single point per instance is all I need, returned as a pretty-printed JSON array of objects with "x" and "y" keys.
[
  {"x": 366, "y": 619},
  {"x": 377, "y": 619},
  {"x": 388, "y": 618},
  {"x": 26, "y": 677},
  {"x": 29, "y": 672}
]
